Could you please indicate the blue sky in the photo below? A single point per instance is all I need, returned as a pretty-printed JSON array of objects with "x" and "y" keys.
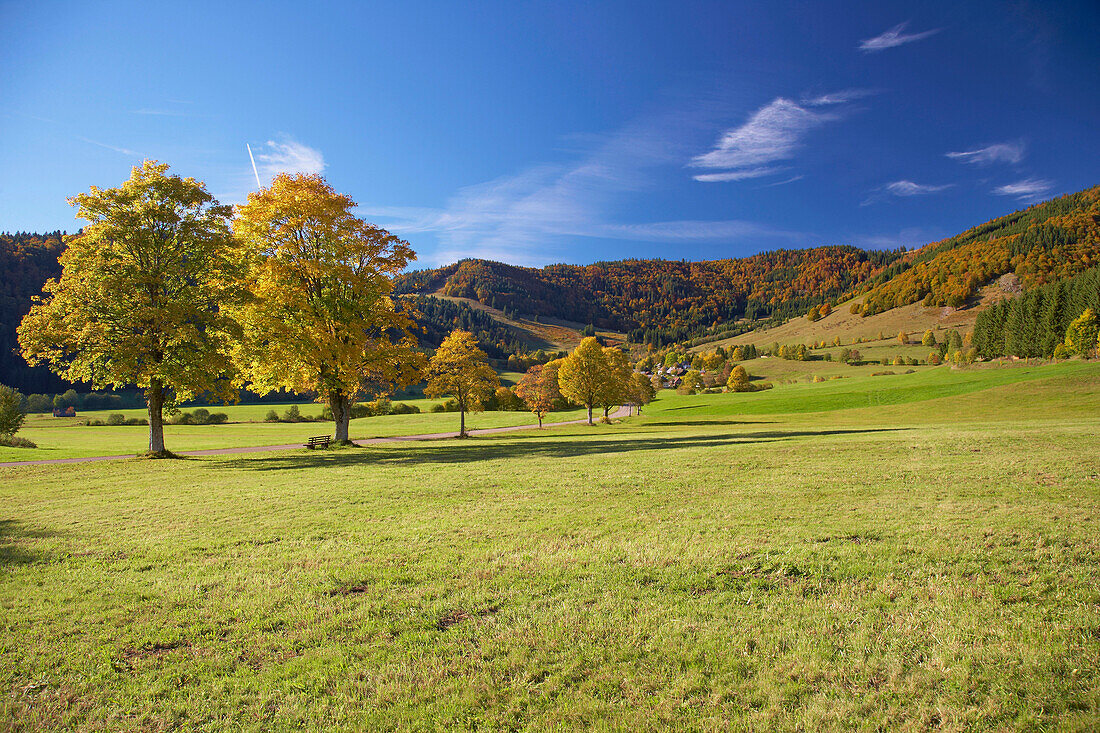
[{"x": 558, "y": 132}]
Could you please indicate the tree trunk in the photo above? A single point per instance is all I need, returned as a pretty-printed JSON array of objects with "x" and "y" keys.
[
  {"x": 606, "y": 411},
  {"x": 539, "y": 416},
  {"x": 154, "y": 399},
  {"x": 340, "y": 405},
  {"x": 590, "y": 415},
  {"x": 462, "y": 423}
]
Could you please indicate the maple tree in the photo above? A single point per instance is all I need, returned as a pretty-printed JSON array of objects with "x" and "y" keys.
[
  {"x": 321, "y": 317},
  {"x": 459, "y": 369},
  {"x": 616, "y": 380},
  {"x": 582, "y": 374},
  {"x": 142, "y": 294}
]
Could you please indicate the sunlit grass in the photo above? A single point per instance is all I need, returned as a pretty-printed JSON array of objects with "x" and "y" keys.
[{"x": 930, "y": 560}]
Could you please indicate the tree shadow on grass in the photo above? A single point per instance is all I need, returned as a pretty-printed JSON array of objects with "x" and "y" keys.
[
  {"x": 703, "y": 423},
  {"x": 474, "y": 450},
  {"x": 12, "y": 534}
]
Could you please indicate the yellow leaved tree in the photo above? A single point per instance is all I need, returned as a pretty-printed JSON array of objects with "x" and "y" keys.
[
  {"x": 321, "y": 318},
  {"x": 582, "y": 375},
  {"x": 616, "y": 382},
  {"x": 143, "y": 294},
  {"x": 461, "y": 370}
]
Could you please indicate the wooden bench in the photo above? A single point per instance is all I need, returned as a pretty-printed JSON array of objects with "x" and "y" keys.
[{"x": 318, "y": 441}]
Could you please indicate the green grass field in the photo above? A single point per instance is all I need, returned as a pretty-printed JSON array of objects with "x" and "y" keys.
[
  {"x": 905, "y": 552},
  {"x": 67, "y": 438}
]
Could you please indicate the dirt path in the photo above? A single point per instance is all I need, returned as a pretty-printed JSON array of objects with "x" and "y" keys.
[{"x": 621, "y": 412}]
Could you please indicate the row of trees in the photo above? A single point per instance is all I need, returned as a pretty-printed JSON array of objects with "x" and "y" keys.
[
  {"x": 170, "y": 291},
  {"x": 593, "y": 376}
]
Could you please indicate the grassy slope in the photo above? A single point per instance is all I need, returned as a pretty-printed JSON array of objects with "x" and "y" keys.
[
  {"x": 65, "y": 438},
  {"x": 720, "y": 562},
  {"x": 551, "y": 334},
  {"x": 914, "y": 319}
]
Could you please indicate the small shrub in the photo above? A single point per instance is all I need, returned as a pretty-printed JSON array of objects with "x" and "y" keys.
[
  {"x": 116, "y": 418},
  {"x": 380, "y": 406},
  {"x": 217, "y": 418},
  {"x": 882, "y": 374},
  {"x": 818, "y": 379},
  {"x": 95, "y": 423},
  {"x": 292, "y": 414},
  {"x": 137, "y": 421},
  {"x": 437, "y": 408},
  {"x": 271, "y": 416},
  {"x": 401, "y": 408},
  {"x": 14, "y": 441}
]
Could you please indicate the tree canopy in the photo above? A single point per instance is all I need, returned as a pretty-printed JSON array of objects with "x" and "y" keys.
[
  {"x": 142, "y": 295},
  {"x": 321, "y": 317},
  {"x": 539, "y": 390},
  {"x": 459, "y": 369},
  {"x": 582, "y": 375}
]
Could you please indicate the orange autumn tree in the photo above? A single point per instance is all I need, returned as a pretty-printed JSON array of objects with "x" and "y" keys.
[
  {"x": 321, "y": 318},
  {"x": 539, "y": 390}
]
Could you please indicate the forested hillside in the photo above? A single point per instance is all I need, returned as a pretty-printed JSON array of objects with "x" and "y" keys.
[
  {"x": 1046, "y": 242},
  {"x": 663, "y": 301},
  {"x": 439, "y": 317},
  {"x": 26, "y": 262},
  {"x": 660, "y": 301}
]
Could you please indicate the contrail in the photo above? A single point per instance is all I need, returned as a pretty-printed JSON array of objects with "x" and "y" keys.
[{"x": 254, "y": 172}]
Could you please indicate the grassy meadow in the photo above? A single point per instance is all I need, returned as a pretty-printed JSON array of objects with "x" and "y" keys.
[
  {"x": 900, "y": 552},
  {"x": 68, "y": 438}
]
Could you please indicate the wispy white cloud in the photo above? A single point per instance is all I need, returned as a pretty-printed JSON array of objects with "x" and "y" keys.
[
  {"x": 784, "y": 182},
  {"x": 842, "y": 97},
  {"x": 893, "y": 38},
  {"x": 123, "y": 151},
  {"x": 739, "y": 175},
  {"x": 772, "y": 133},
  {"x": 1029, "y": 189},
  {"x": 523, "y": 218},
  {"x": 904, "y": 189},
  {"x": 287, "y": 155},
  {"x": 1010, "y": 152},
  {"x": 908, "y": 188}
]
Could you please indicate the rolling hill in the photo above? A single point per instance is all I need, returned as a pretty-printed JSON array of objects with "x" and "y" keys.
[
  {"x": 661, "y": 302},
  {"x": 941, "y": 285}
]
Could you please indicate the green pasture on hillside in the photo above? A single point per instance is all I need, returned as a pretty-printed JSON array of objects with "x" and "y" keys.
[{"x": 908, "y": 552}]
